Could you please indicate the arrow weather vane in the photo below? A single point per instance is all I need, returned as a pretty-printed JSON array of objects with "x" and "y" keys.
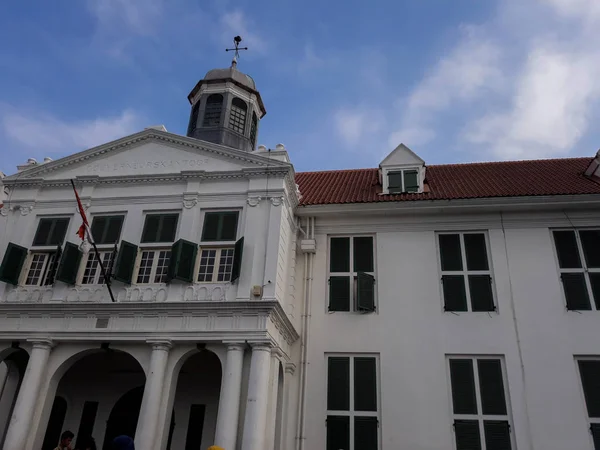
[{"x": 236, "y": 41}]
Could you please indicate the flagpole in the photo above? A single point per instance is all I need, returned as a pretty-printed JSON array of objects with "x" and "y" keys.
[{"x": 104, "y": 274}]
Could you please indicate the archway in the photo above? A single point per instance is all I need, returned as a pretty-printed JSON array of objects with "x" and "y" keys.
[
  {"x": 104, "y": 389},
  {"x": 13, "y": 371}
]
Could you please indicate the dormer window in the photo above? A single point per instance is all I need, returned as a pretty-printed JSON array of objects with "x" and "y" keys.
[{"x": 400, "y": 181}]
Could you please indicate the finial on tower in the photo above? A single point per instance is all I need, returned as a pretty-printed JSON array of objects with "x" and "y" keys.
[{"x": 236, "y": 41}]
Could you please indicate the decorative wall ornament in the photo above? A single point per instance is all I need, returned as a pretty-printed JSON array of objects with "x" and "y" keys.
[
  {"x": 276, "y": 201},
  {"x": 254, "y": 200},
  {"x": 25, "y": 210},
  {"x": 190, "y": 200},
  {"x": 4, "y": 211}
]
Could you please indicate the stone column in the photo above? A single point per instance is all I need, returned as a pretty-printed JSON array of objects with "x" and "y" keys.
[
  {"x": 257, "y": 405},
  {"x": 20, "y": 423},
  {"x": 151, "y": 403},
  {"x": 229, "y": 401},
  {"x": 272, "y": 410}
]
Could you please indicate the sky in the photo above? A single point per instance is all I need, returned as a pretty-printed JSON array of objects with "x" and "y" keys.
[{"x": 343, "y": 83}]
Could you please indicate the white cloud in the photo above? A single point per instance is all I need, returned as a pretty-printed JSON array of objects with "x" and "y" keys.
[
  {"x": 43, "y": 134},
  {"x": 236, "y": 23},
  {"x": 127, "y": 16},
  {"x": 354, "y": 126}
]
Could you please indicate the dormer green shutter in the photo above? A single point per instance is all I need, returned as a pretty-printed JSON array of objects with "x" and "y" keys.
[
  {"x": 237, "y": 259},
  {"x": 365, "y": 301},
  {"x": 182, "y": 262},
  {"x": 125, "y": 262},
  {"x": 69, "y": 264},
  {"x": 411, "y": 181},
  {"x": 12, "y": 263}
]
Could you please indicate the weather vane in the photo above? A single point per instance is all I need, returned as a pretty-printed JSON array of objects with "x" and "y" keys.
[{"x": 236, "y": 41}]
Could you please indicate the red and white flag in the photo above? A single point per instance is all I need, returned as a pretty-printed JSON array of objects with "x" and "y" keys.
[{"x": 84, "y": 229}]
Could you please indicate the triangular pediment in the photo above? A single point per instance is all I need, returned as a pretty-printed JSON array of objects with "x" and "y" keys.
[
  {"x": 402, "y": 156},
  {"x": 150, "y": 152}
]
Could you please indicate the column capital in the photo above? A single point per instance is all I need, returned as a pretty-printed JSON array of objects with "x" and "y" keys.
[
  {"x": 277, "y": 352},
  {"x": 43, "y": 343},
  {"x": 235, "y": 345},
  {"x": 261, "y": 346},
  {"x": 290, "y": 368},
  {"x": 160, "y": 344}
]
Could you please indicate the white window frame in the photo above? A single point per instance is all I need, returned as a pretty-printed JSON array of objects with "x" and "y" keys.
[
  {"x": 465, "y": 273},
  {"x": 44, "y": 270},
  {"x": 390, "y": 170},
  {"x": 583, "y": 269},
  {"x": 351, "y": 413},
  {"x": 153, "y": 268},
  {"x": 590, "y": 420},
  {"x": 480, "y": 417},
  {"x": 215, "y": 273},
  {"x": 97, "y": 278},
  {"x": 353, "y": 275}
]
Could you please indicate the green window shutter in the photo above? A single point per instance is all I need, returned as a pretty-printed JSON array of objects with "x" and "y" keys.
[
  {"x": 467, "y": 435},
  {"x": 491, "y": 387},
  {"x": 12, "y": 263},
  {"x": 98, "y": 228},
  {"x": 450, "y": 253},
  {"x": 338, "y": 383},
  {"x": 69, "y": 264},
  {"x": 566, "y": 249},
  {"x": 338, "y": 432},
  {"x": 476, "y": 252},
  {"x": 182, "y": 261},
  {"x": 151, "y": 227},
  {"x": 168, "y": 228},
  {"x": 595, "y": 430},
  {"x": 220, "y": 226},
  {"x": 106, "y": 229},
  {"x": 237, "y": 259},
  {"x": 366, "y": 292},
  {"x": 462, "y": 381},
  {"x": 590, "y": 380},
  {"x": 395, "y": 182},
  {"x": 497, "y": 435},
  {"x": 125, "y": 262},
  {"x": 210, "y": 229},
  {"x": 365, "y": 384},
  {"x": 363, "y": 254},
  {"x": 339, "y": 293},
  {"x": 411, "y": 181},
  {"x": 57, "y": 236},
  {"x": 42, "y": 233},
  {"x": 365, "y": 432},
  {"x": 455, "y": 296},
  {"x": 339, "y": 255},
  {"x": 482, "y": 298},
  {"x": 576, "y": 292}
]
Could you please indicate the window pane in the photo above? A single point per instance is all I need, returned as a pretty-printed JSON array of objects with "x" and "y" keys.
[
  {"x": 491, "y": 387},
  {"x": 98, "y": 226},
  {"x": 497, "y": 435},
  {"x": 450, "y": 252},
  {"x": 225, "y": 264},
  {"x": 43, "y": 232},
  {"x": 411, "y": 181},
  {"x": 151, "y": 225},
  {"x": 590, "y": 241},
  {"x": 338, "y": 384},
  {"x": 145, "y": 267},
  {"x": 162, "y": 266},
  {"x": 363, "y": 254},
  {"x": 455, "y": 296},
  {"x": 365, "y": 384},
  {"x": 338, "y": 432},
  {"x": 595, "y": 282},
  {"x": 476, "y": 253},
  {"x": 339, "y": 293},
  {"x": 590, "y": 379},
  {"x": 480, "y": 287},
  {"x": 229, "y": 226},
  {"x": 59, "y": 231},
  {"x": 168, "y": 228},
  {"x": 207, "y": 265},
  {"x": 210, "y": 230},
  {"x": 113, "y": 230},
  {"x": 595, "y": 429},
  {"x": 467, "y": 435},
  {"x": 576, "y": 291},
  {"x": 365, "y": 433},
  {"x": 566, "y": 249},
  {"x": 463, "y": 386},
  {"x": 339, "y": 255},
  {"x": 395, "y": 181}
]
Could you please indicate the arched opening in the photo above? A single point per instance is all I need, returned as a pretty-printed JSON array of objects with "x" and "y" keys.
[
  {"x": 212, "y": 111},
  {"x": 12, "y": 371},
  {"x": 279, "y": 408},
  {"x": 193, "y": 118},
  {"x": 237, "y": 115},
  {"x": 55, "y": 423},
  {"x": 196, "y": 402},
  {"x": 253, "y": 130},
  {"x": 104, "y": 390}
]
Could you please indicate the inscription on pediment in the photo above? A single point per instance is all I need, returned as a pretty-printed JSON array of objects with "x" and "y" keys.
[{"x": 147, "y": 165}]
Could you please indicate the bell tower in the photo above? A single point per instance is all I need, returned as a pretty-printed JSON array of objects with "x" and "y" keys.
[{"x": 226, "y": 107}]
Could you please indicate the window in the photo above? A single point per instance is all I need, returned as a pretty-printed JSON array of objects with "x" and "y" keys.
[
  {"x": 42, "y": 269},
  {"x": 153, "y": 266},
  {"x": 51, "y": 231},
  {"x": 194, "y": 118},
  {"x": 403, "y": 181},
  {"x": 253, "y": 129},
  {"x": 92, "y": 273},
  {"x": 352, "y": 403},
  {"x": 212, "y": 111},
  {"x": 466, "y": 274},
  {"x": 480, "y": 413},
  {"x": 220, "y": 226},
  {"x": 216, "y": 264},
  {"x": 589, "y": 370},
  {"x": 580, "y": 276},
  {"x": 106, "y": 229},
  {"x": 237, "y": 115},
  {"x": 351, "y": 274},
  {"x": 160, "y": 228}
]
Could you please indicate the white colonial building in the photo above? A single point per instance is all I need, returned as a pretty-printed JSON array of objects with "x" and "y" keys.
[{"x": 407, "y": 307}]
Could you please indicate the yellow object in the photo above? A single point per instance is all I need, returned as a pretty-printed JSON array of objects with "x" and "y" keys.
[{"x": 215, "y": 447}]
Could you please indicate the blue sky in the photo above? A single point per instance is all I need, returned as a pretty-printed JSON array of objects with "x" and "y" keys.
[{"x": 343, "y": 82}]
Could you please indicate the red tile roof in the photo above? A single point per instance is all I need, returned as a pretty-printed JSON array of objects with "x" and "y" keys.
[{"x": 454, "y": 181}]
